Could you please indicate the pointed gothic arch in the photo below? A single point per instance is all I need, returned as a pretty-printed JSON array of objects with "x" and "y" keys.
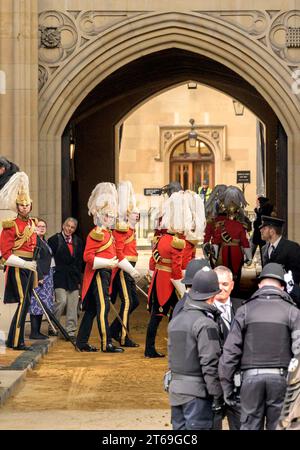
[{"x": 143, "y": 35}]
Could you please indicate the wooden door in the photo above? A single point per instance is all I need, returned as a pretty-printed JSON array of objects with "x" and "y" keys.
[
  {"x": 203, "y": 171},
  {"x": 183, "y": 172}
]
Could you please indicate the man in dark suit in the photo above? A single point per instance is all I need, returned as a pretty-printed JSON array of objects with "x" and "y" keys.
[
  {"x": 67, "y": 250},
  {"x": 227, "y": 307},
  {"x": 281, "y": 251}
]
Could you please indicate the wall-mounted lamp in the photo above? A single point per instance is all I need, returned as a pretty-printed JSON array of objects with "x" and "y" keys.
[
  {"x": 72, "y": 143},
  {"x": 192, "y": 136},
  {"x": 238, "y": 108},
  {"x": 192, "y": 85}
]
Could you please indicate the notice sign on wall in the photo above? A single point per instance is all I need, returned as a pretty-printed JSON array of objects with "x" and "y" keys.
[
  {"x": 152, "y": 191},
  {"x": 243, "y": 176}
]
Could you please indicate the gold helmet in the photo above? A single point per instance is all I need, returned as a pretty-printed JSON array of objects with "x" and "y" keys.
[{"x": 23, "y": 198}]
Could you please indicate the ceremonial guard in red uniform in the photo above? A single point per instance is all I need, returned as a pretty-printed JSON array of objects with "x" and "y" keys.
[
  {"x": 123, "y": 278},
  {"x": 230, "y": 234},
  {"x": 214, "y": 212},
  {"x": 167, "y": 276},
  {"x": 18, "y": 242},
  {"x": 226, "y": 230},
  {"x": 100, "y": 257}
]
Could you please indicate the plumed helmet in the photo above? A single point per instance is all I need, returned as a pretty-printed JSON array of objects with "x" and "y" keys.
[
  {"x": 273, "y": 270},
  {"x": 170, "y": 188},
  {"x": 192, "y": 268},
  {"x": 23, "y": 197},
  {"x": 205, "y": 285},
  {"x": 103, "y": 200},
  {"x": 126, "y": 201},
  {"x": 15, "y": 192},
  {"x": 194, "y": 216}
]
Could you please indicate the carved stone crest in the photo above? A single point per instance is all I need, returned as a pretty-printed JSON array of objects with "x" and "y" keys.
[{"x": 50, "y": 37}]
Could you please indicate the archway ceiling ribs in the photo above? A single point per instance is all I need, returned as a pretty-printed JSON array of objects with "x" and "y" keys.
[
  {"x": 65, "y": 33},
  {"x": 176, "y": 22}
]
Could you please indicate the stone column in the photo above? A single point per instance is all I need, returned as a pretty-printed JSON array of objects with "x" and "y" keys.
[{"x": 19, "y": 105}]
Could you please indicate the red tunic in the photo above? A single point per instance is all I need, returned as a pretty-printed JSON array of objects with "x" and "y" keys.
[
  {"x": 126, "y": 245},
  {"x": 18, "y": 237},
  {"x": 167, "y": 268},
  {"x": 189, "y": 253},
  {"x": 209, "y": 233},
  {"x": 100, "y": 243},
  {"x": 230, "y": 253},
  {"x": 125, "y": 242}
]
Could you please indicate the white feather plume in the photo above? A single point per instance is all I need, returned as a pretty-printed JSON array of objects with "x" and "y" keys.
[
  {"x": 127, "y": 200},
  {"x": 8, "y": 194},
  {"x": 176, "y": 220},
  {"x": 103, "y": 199},
  {"x": 194, "y": 216}
]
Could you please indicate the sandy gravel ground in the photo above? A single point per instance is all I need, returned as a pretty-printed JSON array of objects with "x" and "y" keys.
[{"x": 72, "y": 390}]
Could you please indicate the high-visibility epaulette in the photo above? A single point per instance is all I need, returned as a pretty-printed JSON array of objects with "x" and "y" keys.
[
  {"x": 97, "y": 234},
  {"x": 177, "y": 243}
]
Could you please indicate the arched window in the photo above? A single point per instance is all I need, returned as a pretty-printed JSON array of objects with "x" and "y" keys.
[{"x": 192, "y": 165}]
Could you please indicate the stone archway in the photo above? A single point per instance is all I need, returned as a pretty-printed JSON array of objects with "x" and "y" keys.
[{"x": 145, "y": 34}]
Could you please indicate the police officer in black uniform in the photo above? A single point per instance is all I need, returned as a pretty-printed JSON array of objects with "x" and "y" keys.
[
  {"x": 263, "y": 338},
  {"x": 281, "y": 251},
  {"x": 191, "y": 269},
  {"x": 194, "y": 351}
]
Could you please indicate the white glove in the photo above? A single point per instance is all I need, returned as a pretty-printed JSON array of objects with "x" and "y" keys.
[
  {"x": 16, "y": 261},
  {"x": 107, "y": 263},
  {"x": 127, "y": 267},
  {"x": 150, "y": 272},
  {"x": 135, "y": 274},
  {"x": 288, "y": 278},
  {"x": 247, "y": 253},
  {"x": 30, "y": 265},
  {"x": 180, "y": 288}
]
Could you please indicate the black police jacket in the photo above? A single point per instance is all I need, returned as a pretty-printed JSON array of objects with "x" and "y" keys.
[
  {"x": 194, "y": 350},
  {"x": 264, "y": 333}
]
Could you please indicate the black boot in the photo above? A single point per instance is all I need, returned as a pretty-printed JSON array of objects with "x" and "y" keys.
[
  {"x": 110, "y": 348},
  {"x": 35, "y": 327},
  {"x": 150, "y": 351}
]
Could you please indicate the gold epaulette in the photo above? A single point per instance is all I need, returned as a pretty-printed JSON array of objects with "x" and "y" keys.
[
  {"x": 35, "y": 220},
  {"x": 154, "y": 240},
  {"x": 123, "y": 227},
  {"x": 97, "y": 235},
  {"x": 9, "y": 223},
  {"x": 193, "y": 241},
  {"x": 178, "y": 243}
]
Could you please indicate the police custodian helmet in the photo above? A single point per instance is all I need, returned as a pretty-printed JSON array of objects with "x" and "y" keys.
[
  {"x": 205, "y": 285},
  {"x": 193, "y": 266},
  {"x": 273, "y": 270}
]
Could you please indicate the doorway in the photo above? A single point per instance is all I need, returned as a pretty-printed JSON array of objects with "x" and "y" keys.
[{"x": 191, "y": 165}]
